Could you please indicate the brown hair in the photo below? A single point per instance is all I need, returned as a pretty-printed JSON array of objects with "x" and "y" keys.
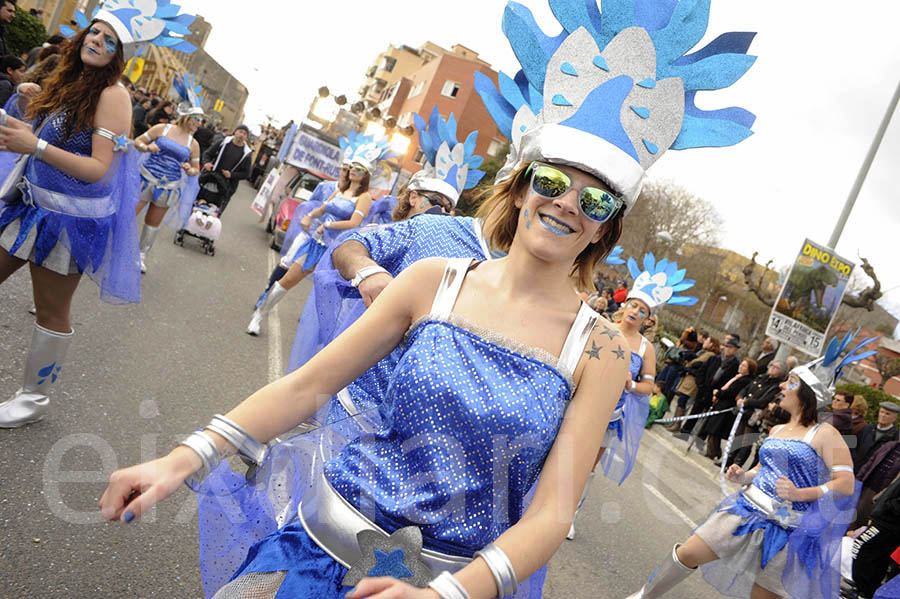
[
  {"x": 75, "y": 88},
  {"x": 808, "y": 403},
  {"x": 504, "y": 215},
  {"x": 343, "y": 182},
  {"x": 752, "y": 366},
  {"x": 42, "y": 70},
  {"x": 403, "y": 207},
  {"x": 715, "y": 346}
]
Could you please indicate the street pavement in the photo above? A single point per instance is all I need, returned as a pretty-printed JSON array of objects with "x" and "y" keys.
[{"x": 138, "y": 378}]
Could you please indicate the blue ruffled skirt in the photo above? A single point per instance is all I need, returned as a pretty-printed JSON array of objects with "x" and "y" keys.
[{"x": 623, "y": 437}]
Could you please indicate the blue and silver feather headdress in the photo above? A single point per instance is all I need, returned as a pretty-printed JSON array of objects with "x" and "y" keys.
[
  {"x": 450, "y": 166},
  {"x": 659, "y": 283},
  {"x": 823, "y": 373},
  {"x": 613, "y": 91},
  {"x": 365, "y": 150},
  {"x": 189, "y": 91},
  {"x": 141, "y": 22},
  {"x": 615, "y": 256}
]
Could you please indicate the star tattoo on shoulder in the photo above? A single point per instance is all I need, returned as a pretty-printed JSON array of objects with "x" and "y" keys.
[
  {"x": 620, "y": 353},
  {"x": 594, "y": 352},
  {"x": 610, "y": 331}
]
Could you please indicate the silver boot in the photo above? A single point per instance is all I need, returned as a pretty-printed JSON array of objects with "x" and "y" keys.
[
  {"x": 667, "y": 576},
  {"x": 584, "y": 494},
  {"x": 42, "y": 367},
  {"x": 148, "y": 236},
  {"x": 276, "y": 292}
]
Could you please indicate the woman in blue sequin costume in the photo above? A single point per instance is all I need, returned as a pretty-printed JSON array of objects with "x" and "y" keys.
[
  {"x": 168, "y": 176},
  {"x": 492, "y": 363},
  {"x": 780, "y": 535},
  {"x": 73, "y": 210},
  {"x": 342, "y": 211}
]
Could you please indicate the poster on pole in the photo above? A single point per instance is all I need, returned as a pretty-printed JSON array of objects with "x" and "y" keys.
[
  {"x": 315, "y": 155},
  {"x": 264, "y": 195},
  {"x": 810, "y": 298}
]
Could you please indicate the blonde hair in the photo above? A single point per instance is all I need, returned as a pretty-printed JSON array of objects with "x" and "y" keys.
[
  {"x": 500, "y": 210},
  {"x": 859, "y": 406}
]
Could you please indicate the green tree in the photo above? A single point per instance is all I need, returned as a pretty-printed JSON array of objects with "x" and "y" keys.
[{"x": 24, "y": 33}]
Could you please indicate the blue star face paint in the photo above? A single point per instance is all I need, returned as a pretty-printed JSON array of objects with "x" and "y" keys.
[
  {"x": 527, "y": 219},
  {"x": 110, "y": 43}
]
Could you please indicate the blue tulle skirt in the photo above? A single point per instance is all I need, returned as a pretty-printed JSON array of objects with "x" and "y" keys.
[{"x": 623, "y": 438}]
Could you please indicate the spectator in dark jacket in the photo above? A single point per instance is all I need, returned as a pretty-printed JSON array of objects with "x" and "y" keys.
[
  {"x": 718, "y": 427},
  {"x": 7, "y": 14},
  {"x": 755, "y": 398},
  {"x": 694, "y": 378},
  {"x": 874, "y": 435},
  {"x": 12, "y": 69},
  {"x": 873, "y": 546},
  {"x": 230, "y": 160},
  {"x": 717, "y": 374},
  {"x": 204, "y": 136}
]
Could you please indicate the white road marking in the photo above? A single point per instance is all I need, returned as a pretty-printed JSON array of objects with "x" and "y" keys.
[
  {"x": 273, "y": 331},
  {"x": 665, "y": 501}
]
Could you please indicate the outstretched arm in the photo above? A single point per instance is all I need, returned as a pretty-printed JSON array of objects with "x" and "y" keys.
[{"x": 291, "y": 400}]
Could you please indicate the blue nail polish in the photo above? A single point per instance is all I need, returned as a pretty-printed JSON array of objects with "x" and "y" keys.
[{"x": 128, "y": 517}]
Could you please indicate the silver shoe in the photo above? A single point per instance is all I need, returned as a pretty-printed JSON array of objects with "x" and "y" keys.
[
  {"x": 148, "y": 236},
  {"x": 42, "y": 367},
  {"x": 667, "y": 576},
  {"x": 276, "y": 292}
]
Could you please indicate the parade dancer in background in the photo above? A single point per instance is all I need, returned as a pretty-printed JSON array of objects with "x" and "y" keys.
[
  {"x": 74, "y": 214},
  {"x": 780, "y": 536},
  {"x": 496, "y": 390},
  {"x": 169, "y": 172},
  {"x": 658, "y": 285},
  {"x": 342, "y": 211}
]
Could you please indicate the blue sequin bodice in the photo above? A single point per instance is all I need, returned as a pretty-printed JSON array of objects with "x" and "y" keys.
[
  {"x": 166, "y": 164},
  {"x": 340, "y": 208},
  {"x": 793, "y": 458},
  {"x": 467, "y": 424},
  {"x": 43, "y": 175}
]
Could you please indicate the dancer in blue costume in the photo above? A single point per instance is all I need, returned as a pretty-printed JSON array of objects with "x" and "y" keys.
[
  {"x": 495, "y": 390},
  {"x": 659, "y": 284},
  {"x": 780, "y": 535},
  {"x": 72, "y": 212},
  {"x": 342, "y": 211},
  {"x": 169, "y": 173}
]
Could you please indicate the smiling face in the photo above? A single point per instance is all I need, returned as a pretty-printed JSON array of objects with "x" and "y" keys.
[
  {"x": 99, "y": 46},
  {"x": 556, "y": 229}
]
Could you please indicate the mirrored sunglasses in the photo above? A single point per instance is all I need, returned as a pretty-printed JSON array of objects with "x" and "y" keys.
[{"x": 596, "y": 204}]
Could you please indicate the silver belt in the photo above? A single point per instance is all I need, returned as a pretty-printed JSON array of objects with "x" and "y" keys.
[
  {"x": 67, "y": 204},
  {"x": 157, "y": 182},
  {"x": 333, "y": 523},
  {"x": 777, "y": 510}
]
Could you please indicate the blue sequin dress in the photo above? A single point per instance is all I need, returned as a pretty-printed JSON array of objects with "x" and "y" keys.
[
  {"x": 172, "y": 187},
  {"x": 466, "y": 426},
  {"x": 790, "y": 548},
  {"x": 626, "y": 426},
  {"x": 67, "y": 225},
  {"x": 310, "y": 245}
]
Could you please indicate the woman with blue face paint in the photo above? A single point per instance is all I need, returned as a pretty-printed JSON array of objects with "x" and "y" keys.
[{"x": 73, "y": 210}]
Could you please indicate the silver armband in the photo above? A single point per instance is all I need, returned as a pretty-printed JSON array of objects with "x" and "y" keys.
[
  {"x": 105, "y": 133},
  {"x": 448, "y": 587},
  {"x": 40, "y": 149},
  {"x": 365, "y": 272},
  {"x": 501, "y": 568},
  {"x": 842, "y": 469},
  {"x": 243, "y": 441},
  {"x": 4, "y": 118},
  {"x": 203, "y": 446},
  {"x": 824, "y": 489}
]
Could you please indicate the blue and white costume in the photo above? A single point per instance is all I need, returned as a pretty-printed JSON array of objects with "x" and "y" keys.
[
  {"x": 171, "y": 187},
  {"x": 458, "y": 487}
]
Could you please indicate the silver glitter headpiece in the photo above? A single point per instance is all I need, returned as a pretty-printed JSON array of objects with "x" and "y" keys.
[{"x": 822, "y": 373}]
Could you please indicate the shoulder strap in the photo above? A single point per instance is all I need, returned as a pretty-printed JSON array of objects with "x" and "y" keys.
[
  {"x": 479, "y": 233},
  {"x": 643, "y": 347},
  {"x": 808, "y": 437},
  {"x": 166, "y": 129},
  {"x": 577, "y": 339},
  {"x": 448, "y": 290}
]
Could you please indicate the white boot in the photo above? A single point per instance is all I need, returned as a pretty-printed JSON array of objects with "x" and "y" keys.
[
  {"x": 584, "y": 494},
  {"x": 667, "y": 576},
  {"x": 276, "y": 292},
  {"x": 42, "y": 367},
  {"x": 148, "y": 236}
]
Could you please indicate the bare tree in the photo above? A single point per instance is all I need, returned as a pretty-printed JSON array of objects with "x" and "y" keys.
[{"x": 887, "y": 367}]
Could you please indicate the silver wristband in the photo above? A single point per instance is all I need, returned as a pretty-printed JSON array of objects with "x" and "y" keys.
[
  {"x": 448, "y": 587},
  {"x": 366, "y": 272},
  {"x": 39, "y": 149},
  {"x": 4, "y": 118},
  {"x": 205, "y": 447},
  {"x": 501, "y": 568},
  {"x": 243, "y": 441}
]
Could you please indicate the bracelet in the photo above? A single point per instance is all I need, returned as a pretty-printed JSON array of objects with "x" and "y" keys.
[
  {"x": 203, "y": 446},
  {"x": 842, "y": 469},
  {"x": 448, "y": 587},
  {"x": 243, "y": 441},
  {"x": 365, "y": 272},
  {"x": 824, "y": 489},
  {"x": 501, "y": 568},
  {"x": 4, "y": 118},
  {"x": 39, "y": 149},
  {"x": 631, "y": 386}
]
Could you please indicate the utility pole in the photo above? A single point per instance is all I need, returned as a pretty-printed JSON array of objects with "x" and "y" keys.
[{"x": 864, "y": 170}]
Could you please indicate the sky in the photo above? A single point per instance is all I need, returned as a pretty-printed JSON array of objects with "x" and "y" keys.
[{"x": 820, "y": 87}]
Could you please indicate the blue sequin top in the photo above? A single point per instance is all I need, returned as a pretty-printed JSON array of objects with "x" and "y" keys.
[
  {"x": 166, "y": 164},
  {"x": 793, "y": 458},
  {"x": 43, "y": 175},
  {"x": 340, "y": 208},
  {"x": 467, "y": 425}
]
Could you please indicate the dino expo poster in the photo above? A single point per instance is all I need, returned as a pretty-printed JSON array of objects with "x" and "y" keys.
[{"x": 810, "y": 298}]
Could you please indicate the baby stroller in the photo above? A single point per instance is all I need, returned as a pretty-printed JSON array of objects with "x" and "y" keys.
[{"x": 204, "y": 224}]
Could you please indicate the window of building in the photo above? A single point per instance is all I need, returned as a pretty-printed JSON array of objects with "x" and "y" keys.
[
  {"x": 389, "y": 63},
  {"x": 416, "y": 89},
  {"x": 405, "y": 120},
  {"x": 419, "y": 157},
  {"x": 495, "y": 148},
  {"x": 450, "y": 89}
]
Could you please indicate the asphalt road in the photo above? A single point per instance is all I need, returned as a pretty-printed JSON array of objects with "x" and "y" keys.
[{"x": 138, "y": 378}]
